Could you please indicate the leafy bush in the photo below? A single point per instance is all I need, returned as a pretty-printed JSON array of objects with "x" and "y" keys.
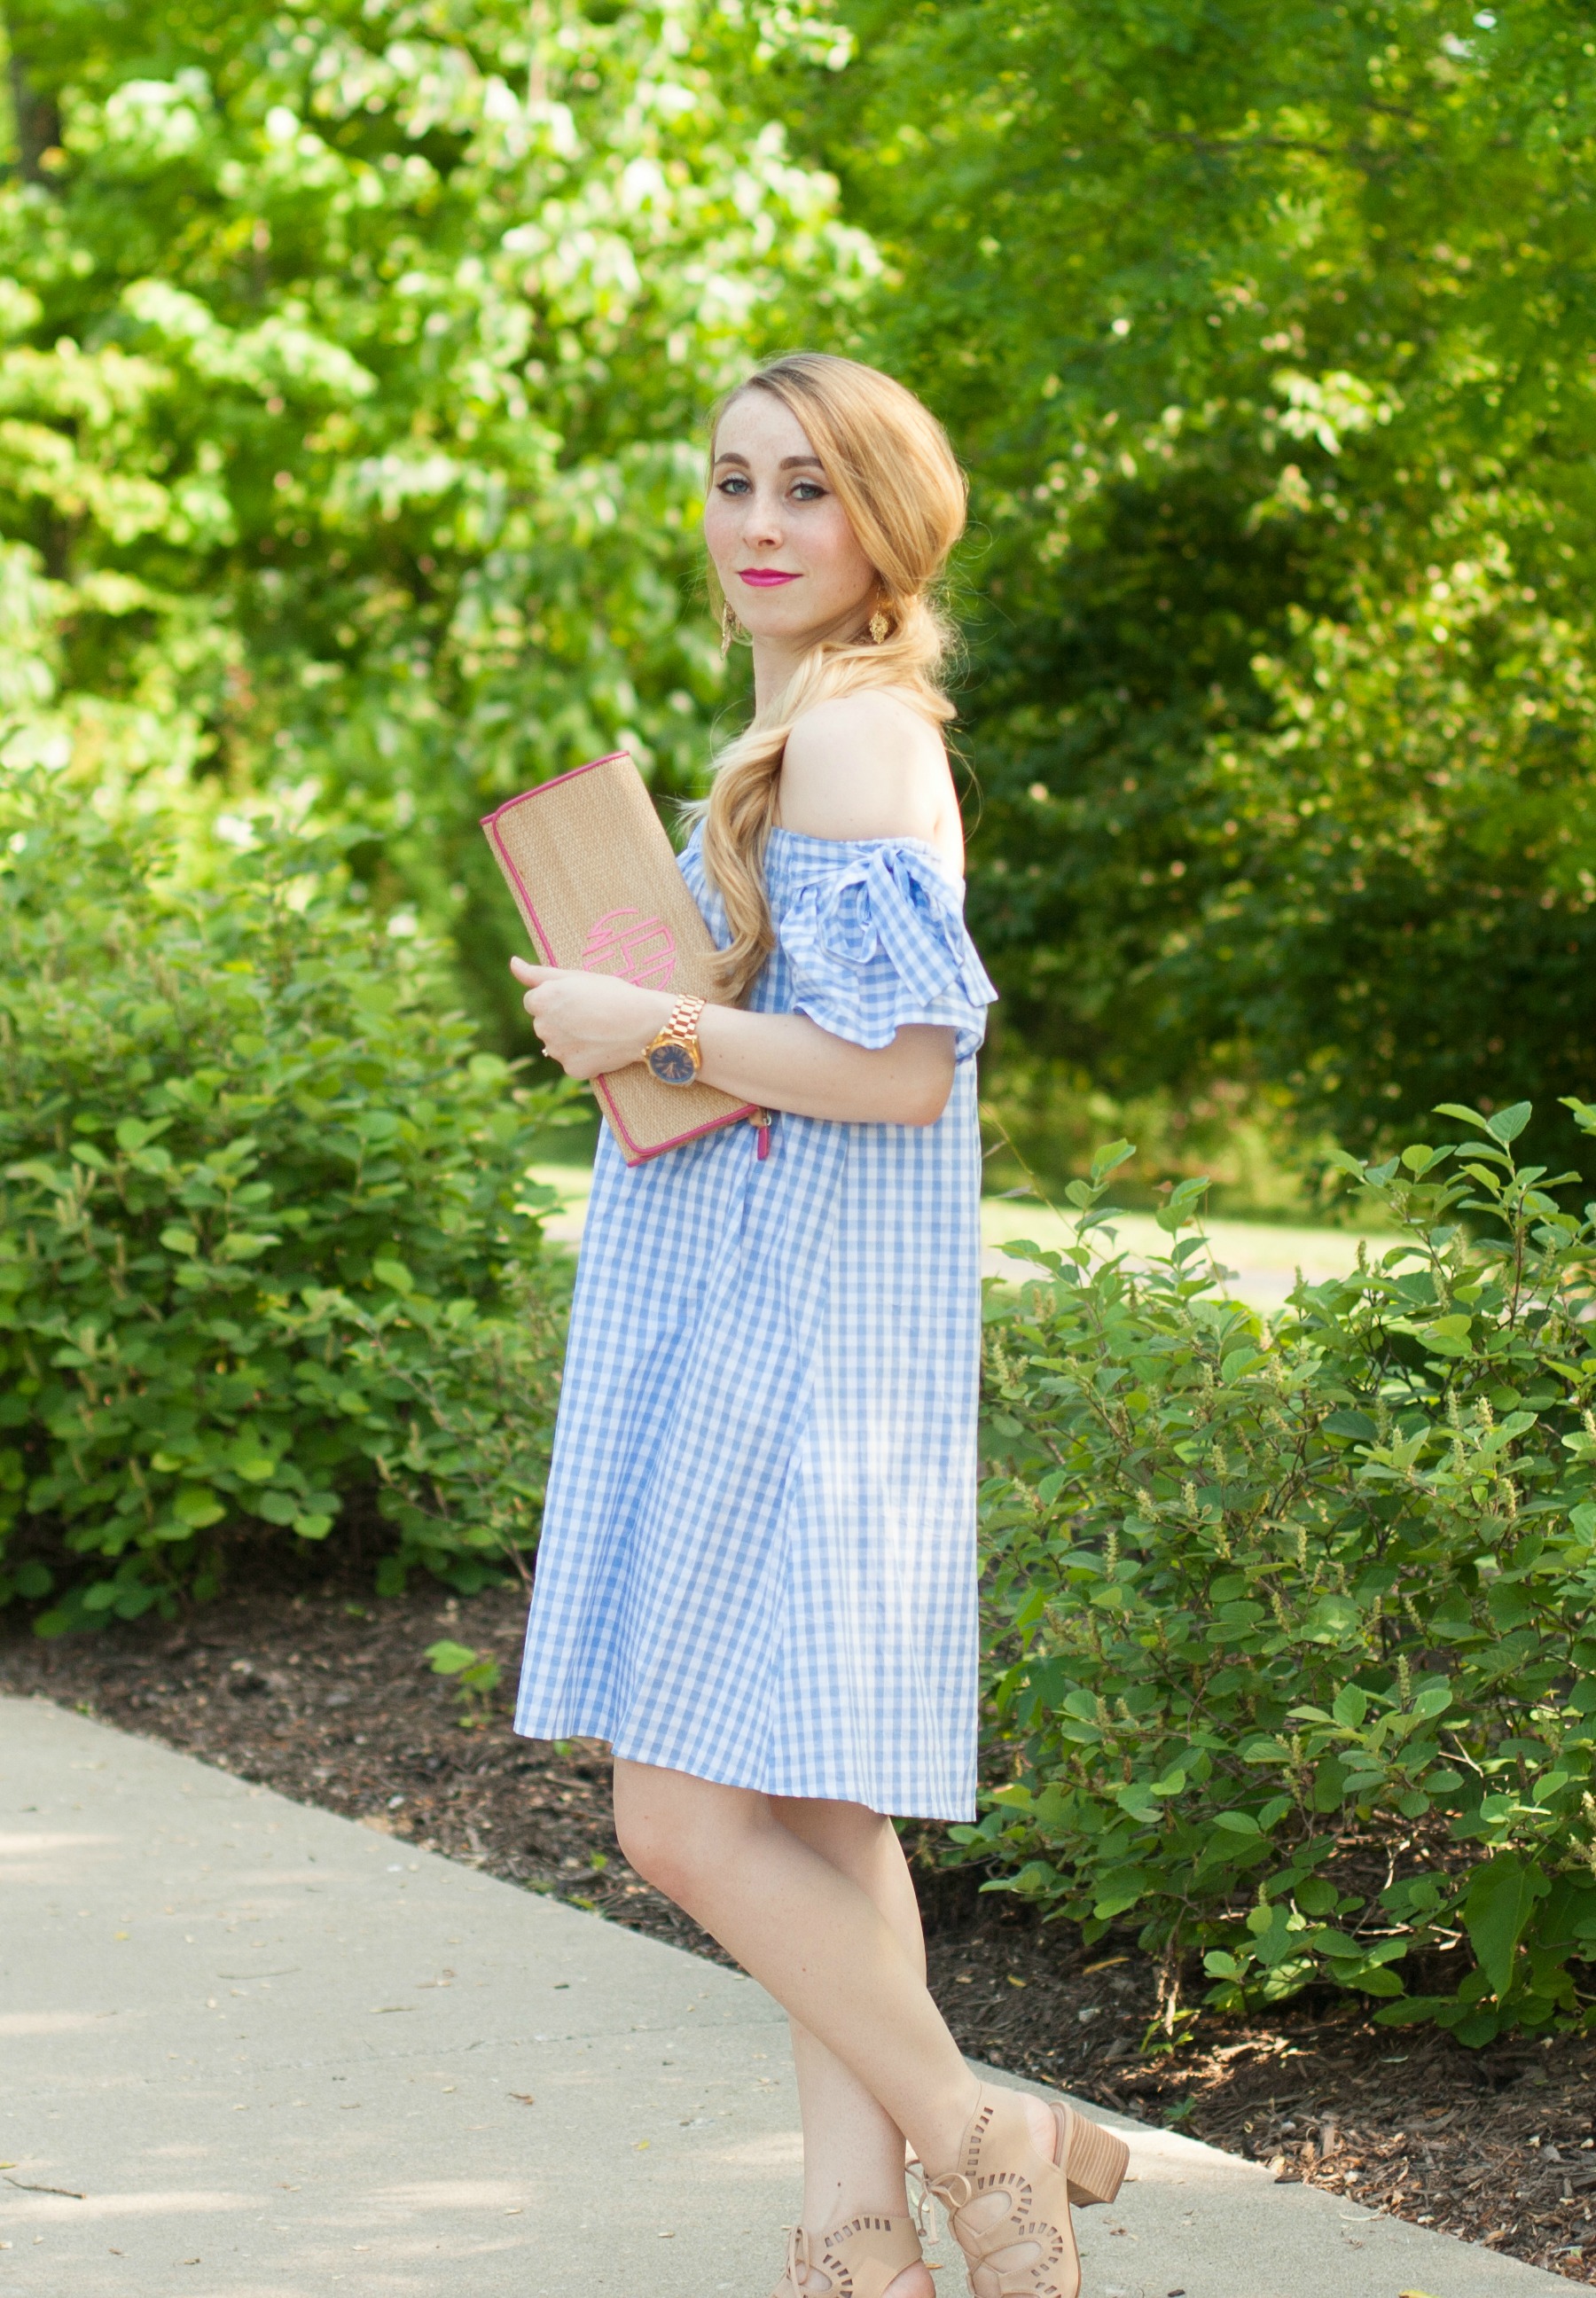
[
  {"x": 1290, "y": 1631},
  {"x": 267, "y": 1254}
]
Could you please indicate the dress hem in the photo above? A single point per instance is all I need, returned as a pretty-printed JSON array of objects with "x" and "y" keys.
[{"x": 910, "y": 1806}]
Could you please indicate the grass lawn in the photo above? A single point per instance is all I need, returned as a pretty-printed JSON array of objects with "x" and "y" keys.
[{"x": 1263, "y": 1259}]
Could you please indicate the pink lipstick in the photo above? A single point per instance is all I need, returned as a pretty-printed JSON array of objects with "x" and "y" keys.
[{"x": 763, "y": 578}]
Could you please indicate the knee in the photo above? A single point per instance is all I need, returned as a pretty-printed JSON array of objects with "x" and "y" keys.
[
  {"x": 643, "y": 1839},
  {"x": 669, "y": 1841}
]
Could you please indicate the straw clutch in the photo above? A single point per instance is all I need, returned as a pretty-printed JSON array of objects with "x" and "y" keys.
[{"x": 596, "y": 882}]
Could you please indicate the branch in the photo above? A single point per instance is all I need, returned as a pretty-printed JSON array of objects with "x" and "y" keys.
[{"x": 37, "y": 117}]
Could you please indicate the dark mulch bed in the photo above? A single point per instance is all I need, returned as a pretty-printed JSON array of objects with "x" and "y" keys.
[{"x": 327, "y": 1697}]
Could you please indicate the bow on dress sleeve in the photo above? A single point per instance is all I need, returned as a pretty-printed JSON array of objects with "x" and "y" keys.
[{"x": 876, "y": 940}]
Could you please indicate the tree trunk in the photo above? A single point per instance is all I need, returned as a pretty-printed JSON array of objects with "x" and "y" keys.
[{"x": 37, "y": 117}]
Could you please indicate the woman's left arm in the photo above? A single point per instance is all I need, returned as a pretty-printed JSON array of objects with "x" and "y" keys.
[{"x": 590, "y": 1023}]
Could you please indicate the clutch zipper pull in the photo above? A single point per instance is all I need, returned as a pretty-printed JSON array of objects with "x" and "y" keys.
[{"x": 761, "y": 1123}]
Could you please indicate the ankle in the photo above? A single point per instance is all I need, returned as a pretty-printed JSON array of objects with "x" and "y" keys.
[
  {"x": 826, "y": 2217},
  {"x": 939, "y": 2136}
]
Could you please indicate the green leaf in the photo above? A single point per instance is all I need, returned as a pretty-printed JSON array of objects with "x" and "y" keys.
[
  {"x": 1136, "y": 1801},
  {"x": 394, "y": 1275},
  {"x": 246, "y": 1244},
  {"x": 254, "y": 1467},
  {"x": 448, "y": 1657},
  {"x": 1507, "y": 1124},
  {"x": 1496, "y": 1912},
  {"x": 1180, "y": 1206},
  {"x": 1109, "y": 1160},
  {"x": 1374, "y": 1980},
  {"x": 1464, "y": 1116},
  {"x": 196, "y": 1505}
]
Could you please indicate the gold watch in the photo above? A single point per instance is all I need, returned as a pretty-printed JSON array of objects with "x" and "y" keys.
[{"x": 674, "y": 1055}]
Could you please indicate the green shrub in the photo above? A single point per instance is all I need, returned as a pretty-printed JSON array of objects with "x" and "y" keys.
[
  {"x": 1290, "y": 1631},
  {"x": 269, "y": 1263}
]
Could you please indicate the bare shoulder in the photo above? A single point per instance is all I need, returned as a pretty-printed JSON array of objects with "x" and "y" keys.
[{"x": 867, "y": 765}]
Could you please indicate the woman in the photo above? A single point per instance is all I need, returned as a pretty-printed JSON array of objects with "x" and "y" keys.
[{"x": 757, "y": 1572}]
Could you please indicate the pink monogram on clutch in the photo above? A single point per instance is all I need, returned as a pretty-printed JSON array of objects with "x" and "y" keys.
[{"x": 597, "y": 885}]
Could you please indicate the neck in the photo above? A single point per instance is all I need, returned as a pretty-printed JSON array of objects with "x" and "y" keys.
[
  {"x": 776, "y": 659},
  {"x": 774, "y": 663}
]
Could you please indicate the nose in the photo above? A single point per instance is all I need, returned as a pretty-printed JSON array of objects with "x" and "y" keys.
[{"x": 761, "y": 520}]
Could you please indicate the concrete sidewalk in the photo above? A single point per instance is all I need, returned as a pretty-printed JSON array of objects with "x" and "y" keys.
[{"x": 253, "y": 2051}]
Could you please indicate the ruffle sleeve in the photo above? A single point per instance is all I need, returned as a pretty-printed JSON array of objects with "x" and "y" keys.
[{"x": 876, "y": 939}]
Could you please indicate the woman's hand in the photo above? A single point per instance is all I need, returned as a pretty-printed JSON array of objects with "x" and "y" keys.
[{"x": 589, "y": 1023}]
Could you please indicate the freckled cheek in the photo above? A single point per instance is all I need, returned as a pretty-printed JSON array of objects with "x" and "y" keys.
[
  {"x": 835, "y": 554},
  {"x": 724, "y": 520}
]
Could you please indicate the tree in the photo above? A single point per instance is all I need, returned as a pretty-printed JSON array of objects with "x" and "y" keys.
[
  {"x": 1266, "y": 334},
  {"x": 354, "y": 362}
]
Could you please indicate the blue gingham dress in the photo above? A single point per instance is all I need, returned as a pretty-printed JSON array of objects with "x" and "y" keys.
[{"x": 758, "y": 1562}]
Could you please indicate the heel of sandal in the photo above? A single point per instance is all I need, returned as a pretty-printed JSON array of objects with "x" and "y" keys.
[{"x": 1093, "y": 2160}]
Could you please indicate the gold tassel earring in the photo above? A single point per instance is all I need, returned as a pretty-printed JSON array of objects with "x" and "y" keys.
[
  {"x": 732, "y": 629},
  {"x": 879, "y": 626}
]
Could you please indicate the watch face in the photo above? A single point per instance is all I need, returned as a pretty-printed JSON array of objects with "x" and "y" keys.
[{"x": 672, "y": 1064}]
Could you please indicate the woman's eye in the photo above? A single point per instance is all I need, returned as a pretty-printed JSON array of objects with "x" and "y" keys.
[
  {"x": 807, "y": 491},
  {"x": 733, "y": 486}
]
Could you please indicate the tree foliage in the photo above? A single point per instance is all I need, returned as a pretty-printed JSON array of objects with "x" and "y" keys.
[
  {"x": 1268, "y": 333},
  {"x": 1292, "y": 1632},
  {"x": 354, "y": 359}
]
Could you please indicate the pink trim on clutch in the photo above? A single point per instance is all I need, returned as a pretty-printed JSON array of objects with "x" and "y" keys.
[
  {"x": 553, "y": 783},
  {"x": 634, "y": 1154},
  {"x": 490, "y": 823}
]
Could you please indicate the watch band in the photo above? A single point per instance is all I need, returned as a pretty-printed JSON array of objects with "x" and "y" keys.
[{"x": 680, "y": 1029}]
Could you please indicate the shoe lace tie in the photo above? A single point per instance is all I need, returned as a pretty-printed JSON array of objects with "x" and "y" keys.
[
  {"x": 953, "y": 2190},
  {"x": 798, "y": 2255}
]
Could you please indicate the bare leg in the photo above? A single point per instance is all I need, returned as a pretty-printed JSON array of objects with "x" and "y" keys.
[
  {"x": 818, "y": 1941},
  {"x": 809, "y": 1935},
  {"x": 852, "y": 2150}
]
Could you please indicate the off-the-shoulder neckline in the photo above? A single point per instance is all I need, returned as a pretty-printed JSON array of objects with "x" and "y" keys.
[{"x": 865, "y": 845}]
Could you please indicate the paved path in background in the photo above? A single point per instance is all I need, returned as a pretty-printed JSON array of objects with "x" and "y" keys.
[
  {"x": 1263, "y": 1260},
  {"x": 271, "y": 2054}
]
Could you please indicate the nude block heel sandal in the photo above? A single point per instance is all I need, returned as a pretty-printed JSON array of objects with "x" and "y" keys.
[
  {"x": 1093, "y": 2160},
  {"x": 860, "y": 2259},
  {"x": 1008, "y": 2206}
]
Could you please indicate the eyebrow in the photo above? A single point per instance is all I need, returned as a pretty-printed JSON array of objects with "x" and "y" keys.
[{"x": 787, "y": 463}]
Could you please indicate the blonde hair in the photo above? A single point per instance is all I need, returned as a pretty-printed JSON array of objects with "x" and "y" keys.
[{"x": 888, "y": 461}]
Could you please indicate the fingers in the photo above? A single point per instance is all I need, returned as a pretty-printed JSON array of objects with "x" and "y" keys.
[{"x": 534, "y": 976}]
